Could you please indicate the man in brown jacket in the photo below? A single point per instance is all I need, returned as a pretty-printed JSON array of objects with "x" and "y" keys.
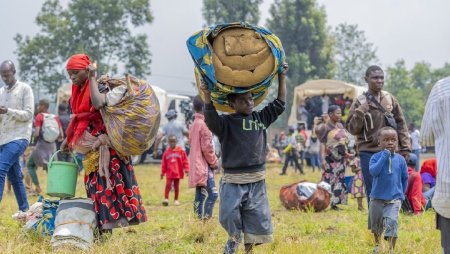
[{"x": 366, "y": 117}]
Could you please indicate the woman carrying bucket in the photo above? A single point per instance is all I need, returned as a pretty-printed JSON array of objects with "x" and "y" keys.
[{"x": 109, "y": 178}]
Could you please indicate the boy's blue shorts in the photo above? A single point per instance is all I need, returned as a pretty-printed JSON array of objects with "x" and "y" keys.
[
  {"x": 383, "y": 215},
  {"x": 245, "y": 208}
]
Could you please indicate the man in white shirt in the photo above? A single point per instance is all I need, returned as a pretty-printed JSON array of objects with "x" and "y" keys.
[
  {"x": 435, "y": 131},
  {"x": 16, "y": 115}
]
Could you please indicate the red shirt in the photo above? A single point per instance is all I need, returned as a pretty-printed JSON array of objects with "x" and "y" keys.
[
  {"x": 304, "y": 133},
  {"x": 39, "y": 120},
  {"x": 415, "y": 195},
  {"x": 174, "y": 163}
]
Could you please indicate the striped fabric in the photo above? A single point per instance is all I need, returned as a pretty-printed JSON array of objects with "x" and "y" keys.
[
  {"x": 132, "y": 124},
  {"x": 436, "y": 131},
  {"x": 244, "y": 178}
]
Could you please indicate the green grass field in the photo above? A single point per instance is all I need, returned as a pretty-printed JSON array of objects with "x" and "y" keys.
[{"x": 174, "y": 229}]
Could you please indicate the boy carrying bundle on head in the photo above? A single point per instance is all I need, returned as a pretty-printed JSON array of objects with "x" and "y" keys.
[
  {"x": 244, "y": 207},
  {"x": 390, "y": 176}
]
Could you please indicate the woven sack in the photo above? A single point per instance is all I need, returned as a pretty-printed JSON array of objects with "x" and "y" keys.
[{"x": 133, "y": 123}]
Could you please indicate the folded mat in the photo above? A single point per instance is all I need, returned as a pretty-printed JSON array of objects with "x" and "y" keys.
[{"x": 236, "y": 58}]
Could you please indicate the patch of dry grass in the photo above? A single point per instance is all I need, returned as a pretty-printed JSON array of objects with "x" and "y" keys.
[{"x": 174, "y": 229}]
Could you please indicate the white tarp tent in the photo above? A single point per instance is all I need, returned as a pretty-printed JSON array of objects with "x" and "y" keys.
[{"x": 320, "y": 87}]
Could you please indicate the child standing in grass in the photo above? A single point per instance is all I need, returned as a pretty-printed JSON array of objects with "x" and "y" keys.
[
  {"x": 174, "y": 165},
  {"x": 203, "y": 162},
  {"x": 390, "y": 176},
  {"x": 244, "y": 207}
]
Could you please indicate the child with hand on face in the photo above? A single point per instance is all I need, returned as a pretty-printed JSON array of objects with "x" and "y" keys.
[
  {"x": 390, "y": 176},
  {"x": 174, "y": 165}
]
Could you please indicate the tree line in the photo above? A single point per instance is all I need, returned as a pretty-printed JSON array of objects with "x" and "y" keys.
[{"x": 102, "y": 29}]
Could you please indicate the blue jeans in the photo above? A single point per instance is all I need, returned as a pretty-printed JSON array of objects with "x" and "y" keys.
[
  {"x": 428, "y": 195},
  {"x": 205, "y": 197},
  {"x": 364, "y": 160},
  {"x": 10, "y": 166},
  {"x": 315, "y": 161},
  {"x": 417, "y": 153}
]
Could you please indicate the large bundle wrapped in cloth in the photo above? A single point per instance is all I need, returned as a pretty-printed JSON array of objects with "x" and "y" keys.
[
  {"x": 236, "y": 58},
  {"x": 305, "y": 196},
  {"x": 131, "y": 116}
]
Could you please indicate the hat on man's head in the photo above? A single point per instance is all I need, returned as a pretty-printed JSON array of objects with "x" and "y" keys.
[
  {"x": 412, "y": 160},
  {"x": 291, "y": 129},
  {"x": 171, "y": 114}
]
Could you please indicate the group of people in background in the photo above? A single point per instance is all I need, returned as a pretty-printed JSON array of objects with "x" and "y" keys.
[
  {"x": 367, "y": 142},
  {"x": 317, "y": 106},
  {"x": 372, "y": 140}
]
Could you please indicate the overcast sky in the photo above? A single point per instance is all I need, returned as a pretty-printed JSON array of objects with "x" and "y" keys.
[{"x": 413, "y": 30}]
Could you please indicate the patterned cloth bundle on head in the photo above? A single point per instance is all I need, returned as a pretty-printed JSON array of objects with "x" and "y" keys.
[{"x": 236, "y": 58}]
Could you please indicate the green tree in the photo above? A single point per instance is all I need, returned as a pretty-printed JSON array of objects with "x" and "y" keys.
[
  {"x": 301, "y": 27},
  {"x": 222, "y": 11},
  {"x": 421, "y": 75},
  {"x": 406, "y": 87},
  {"x": 436, "y": 75},
  {"x": 353, "y": 53},
  {"x": 99, "y": 28},
  {"x": 398, "y": 78}
]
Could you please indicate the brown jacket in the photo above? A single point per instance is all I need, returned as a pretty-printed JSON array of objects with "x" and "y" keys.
[{"x": 364, "y": 124}]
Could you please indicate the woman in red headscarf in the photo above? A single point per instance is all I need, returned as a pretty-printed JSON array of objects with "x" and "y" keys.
[{"x": 109, "y": 178}]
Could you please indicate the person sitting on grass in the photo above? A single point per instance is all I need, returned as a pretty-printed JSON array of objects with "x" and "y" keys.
[
  {"x": 173, "y": 165},
  {"x": 415, "y": 194},
  {"x": 428, "y": 174},
  {"x": 244, "y": 206},
  {"x": 390, "y": 177}
]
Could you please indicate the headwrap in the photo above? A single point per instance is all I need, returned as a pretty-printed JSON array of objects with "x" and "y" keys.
[
  {"x": 83, "y": 111},
  {"x": 429, "y": 166},
  {"x": 78, "y": 62}
]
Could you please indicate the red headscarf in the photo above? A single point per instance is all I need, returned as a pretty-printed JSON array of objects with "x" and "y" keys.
[
  {"x": 429, "y": 166},
  {"x": 83, "y": 111},
  {"x": 78, "y": 62}
]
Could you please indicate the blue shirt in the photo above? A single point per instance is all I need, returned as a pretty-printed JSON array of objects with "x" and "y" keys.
[{"x": 390, "y": 176}]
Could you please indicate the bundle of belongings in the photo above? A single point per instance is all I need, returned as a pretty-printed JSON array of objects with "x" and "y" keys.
[
  {"x": 273, "y": 156},
  {"x": 131, "y": 114},
  {"x": 235, "y": 58},
  {"x": 74, "y": 224},
  {"x": 306, "y": 196},
  {"x": 40, "y": 217}
]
